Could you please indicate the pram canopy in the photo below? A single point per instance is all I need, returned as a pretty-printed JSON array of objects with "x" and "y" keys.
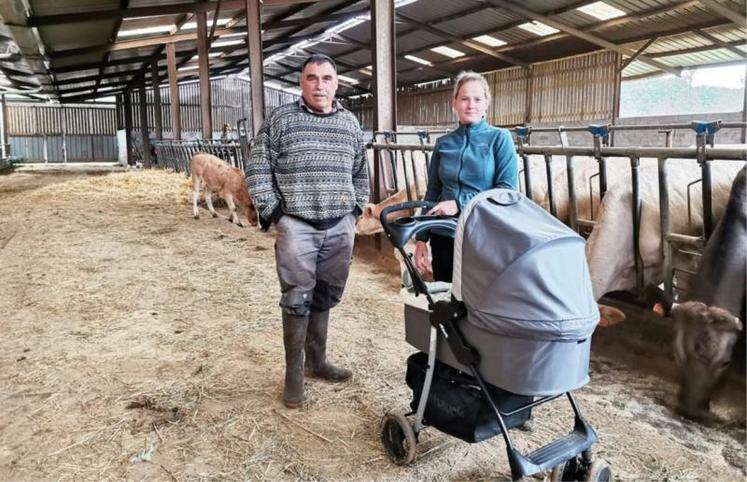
[{"x": 520, "y": 272}]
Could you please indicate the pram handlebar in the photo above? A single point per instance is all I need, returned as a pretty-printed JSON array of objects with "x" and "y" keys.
[{"x": 402, "y": 229}]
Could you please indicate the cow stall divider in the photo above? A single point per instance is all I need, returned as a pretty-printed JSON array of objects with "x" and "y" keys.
[
  {"x": 402, "y": 158},
  {"x": 177, "y": 155}
]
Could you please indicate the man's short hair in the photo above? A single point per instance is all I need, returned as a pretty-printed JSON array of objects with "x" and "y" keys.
[{"x": 319, "y": 59}]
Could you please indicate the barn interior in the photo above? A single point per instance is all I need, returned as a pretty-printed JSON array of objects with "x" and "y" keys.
[{"x": 115, "y": 370}]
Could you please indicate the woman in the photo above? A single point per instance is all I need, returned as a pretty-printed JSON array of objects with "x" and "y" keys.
[{"x": 470, "y": 159}]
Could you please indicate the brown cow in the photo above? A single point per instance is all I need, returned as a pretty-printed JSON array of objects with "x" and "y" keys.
[
  {"x": 215, "y": 176},
  {"x": 369, "y": 222}
]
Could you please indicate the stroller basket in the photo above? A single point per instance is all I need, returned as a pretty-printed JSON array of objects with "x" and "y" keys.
[{"x": 456, "y": 405}]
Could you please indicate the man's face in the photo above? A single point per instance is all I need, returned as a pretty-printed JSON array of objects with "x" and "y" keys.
[{"x": 318, "y": 86}]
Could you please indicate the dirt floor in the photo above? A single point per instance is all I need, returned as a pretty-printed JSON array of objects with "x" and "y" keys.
[{"x": 138, "y": 343}]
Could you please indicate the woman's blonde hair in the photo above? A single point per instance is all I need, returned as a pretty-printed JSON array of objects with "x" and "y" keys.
[{"x": 470, "y": 76}]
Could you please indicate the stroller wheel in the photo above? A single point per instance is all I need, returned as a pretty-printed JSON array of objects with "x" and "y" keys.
[
  {"x": 563, "y": 472},
  {"x": 598, "y": 471},
  {"x": 398, "y": 438}
]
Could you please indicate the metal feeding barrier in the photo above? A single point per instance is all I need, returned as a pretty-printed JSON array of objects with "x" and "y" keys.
[
  {"x": 177, "y": 155},
  {"x": 396, "y": 163}
]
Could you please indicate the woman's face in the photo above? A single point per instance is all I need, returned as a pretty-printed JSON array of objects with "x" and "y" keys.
[{"x": 470, "y": 102}]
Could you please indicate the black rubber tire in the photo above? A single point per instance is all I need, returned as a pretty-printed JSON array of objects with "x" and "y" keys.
[
  {"x": 598, "y": 471},
  {"x": 398, "y": 438},
  {"x": 560, "y": 472}
]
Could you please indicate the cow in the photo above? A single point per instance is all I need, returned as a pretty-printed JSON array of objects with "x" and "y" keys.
[
  {"x": 609, "y": 249},
  {"x": 369, "y": 223},
  {"x": 707, "y": 325},
  {"x": 213, "y": 175}
]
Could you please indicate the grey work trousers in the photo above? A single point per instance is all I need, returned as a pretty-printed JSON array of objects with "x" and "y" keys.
[{"x": 312, "y": 264}]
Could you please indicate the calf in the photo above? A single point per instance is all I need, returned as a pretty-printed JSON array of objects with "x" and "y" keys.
[
  {"x": 369, "y": 223},
  {"x": 707, "y": 326},
  {"x": 214, "y": 175}
]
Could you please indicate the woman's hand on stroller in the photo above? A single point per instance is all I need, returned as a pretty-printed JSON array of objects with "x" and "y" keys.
[
  {"x": 445, "y": 208},
  {"x": 422, "y": 263}
]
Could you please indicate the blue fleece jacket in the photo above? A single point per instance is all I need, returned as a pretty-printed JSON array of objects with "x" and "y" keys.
[{"x": 471, "y": 159}]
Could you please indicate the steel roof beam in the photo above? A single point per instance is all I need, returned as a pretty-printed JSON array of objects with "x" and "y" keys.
[
  {"x": 123, "y": 13},
  {"x": 638, "y": 52},
  {"x": 720, "y": 43},
  {"x": 112, "y": 38},
  {"x": 525, "y": 12},
  {"x": 135, "y": 44},
  {"x": 692, "y": 50}
]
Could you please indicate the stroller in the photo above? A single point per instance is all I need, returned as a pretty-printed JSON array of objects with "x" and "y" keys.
[{"x": 513, "y": 332}]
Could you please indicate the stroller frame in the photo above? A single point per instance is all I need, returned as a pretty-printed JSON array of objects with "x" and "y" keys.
[{"x": 569, "y": 457}]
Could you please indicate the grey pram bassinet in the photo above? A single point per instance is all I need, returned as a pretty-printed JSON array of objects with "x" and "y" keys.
[{"x": 523, "y": 278}]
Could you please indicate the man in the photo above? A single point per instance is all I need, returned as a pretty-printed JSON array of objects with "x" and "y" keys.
[{"x": 308, "y": 174}]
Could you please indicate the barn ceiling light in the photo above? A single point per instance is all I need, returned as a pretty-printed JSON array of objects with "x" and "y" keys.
[
  {"x": 418, "y": 60},
  {"x": 602, "y": 11},
  {"x": 347, "y": 79},
  {"x": 144, "y": 31},
  {"x": 226, "y": 43},
  {"x": 193, "y": 25},
  {"x": 538, "y": 28},
  {"x": 448, "y": 51},
  {"x": 189, "y": 67},
  {"x": 489, "y": 41},
  {"x": 366, "y": 70}
]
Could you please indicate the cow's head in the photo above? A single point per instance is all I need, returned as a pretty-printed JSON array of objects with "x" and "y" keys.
[
  {"x": 703, "y": 345},
  {"x": 369, "y": 223},
  {"x": 245, "y": 201}
]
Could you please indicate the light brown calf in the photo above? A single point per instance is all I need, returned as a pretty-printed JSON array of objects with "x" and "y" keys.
[
  {"x": 213, "y": 175},
  {"x": 369, "y": 222}
]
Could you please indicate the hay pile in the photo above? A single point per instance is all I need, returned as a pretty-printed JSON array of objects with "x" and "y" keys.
[{"x": 139, "y": 343}]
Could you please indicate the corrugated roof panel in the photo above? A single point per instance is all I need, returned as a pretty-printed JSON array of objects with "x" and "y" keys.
[
  {"x": 62, "y": 37},
  {"x": 483, "y": 21},
  {"x": 516, "y": 35},
  {"x": 53, "y": 7},
  {"x": 417, "y": 41},
  {"x": 545, "y": 5},
  {"x": 636, "y": 68},
  {"x": 433, "y": 10},
  {"x": 728, "y": 33}
]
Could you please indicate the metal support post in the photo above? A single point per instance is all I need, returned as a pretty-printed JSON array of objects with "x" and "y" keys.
[
  {"x": 666, "y": 246},
  {"x": 601, "y": 134},
  {"x": 635, "y": 163},
  {"x": 572, "y": 207},
  {"x": 705, "y": 134},
  {"x": 522, "y": 136},
  {"x": 550, "y": 195}
]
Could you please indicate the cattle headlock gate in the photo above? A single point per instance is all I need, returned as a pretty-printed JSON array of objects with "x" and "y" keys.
[{"x": 397, "y": 165}]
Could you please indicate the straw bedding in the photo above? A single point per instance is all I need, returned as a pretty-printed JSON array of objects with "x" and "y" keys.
[{"x": 140, "y": 343}]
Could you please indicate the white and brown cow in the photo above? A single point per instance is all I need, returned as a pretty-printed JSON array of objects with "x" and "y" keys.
[
  {"x": 213, "y": 175},
  {"x": 609, "y": 249}
]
